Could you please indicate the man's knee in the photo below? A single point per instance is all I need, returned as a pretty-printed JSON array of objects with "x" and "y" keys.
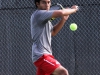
[{"x": 60, "y": 71}]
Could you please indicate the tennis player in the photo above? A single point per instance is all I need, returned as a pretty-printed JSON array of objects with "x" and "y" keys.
[{"x": 41, "y": 31}]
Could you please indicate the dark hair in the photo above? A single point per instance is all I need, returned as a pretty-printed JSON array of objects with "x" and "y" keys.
[{"x": 35, "y": 1}]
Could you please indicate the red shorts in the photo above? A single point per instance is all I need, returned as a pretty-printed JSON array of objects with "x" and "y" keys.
[{"x": 46, "y": 65}]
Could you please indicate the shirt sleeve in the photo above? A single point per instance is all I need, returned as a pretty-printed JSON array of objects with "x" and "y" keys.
[{"x": 44, "y": 15}]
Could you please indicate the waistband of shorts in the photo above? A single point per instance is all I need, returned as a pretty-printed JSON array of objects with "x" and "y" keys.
[{"x": 41, "y": 58}]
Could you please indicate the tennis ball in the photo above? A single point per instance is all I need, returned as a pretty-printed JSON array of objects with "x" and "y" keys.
[{"x": 73, "y": 26}]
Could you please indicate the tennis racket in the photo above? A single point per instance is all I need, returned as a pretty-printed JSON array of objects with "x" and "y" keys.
[{"x": 56, "y": 7}]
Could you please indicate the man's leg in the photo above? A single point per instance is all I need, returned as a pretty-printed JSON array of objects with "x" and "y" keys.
[{"x": 60, "y": 71}]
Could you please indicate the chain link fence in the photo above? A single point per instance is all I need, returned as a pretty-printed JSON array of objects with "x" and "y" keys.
[{"x": 77, "y": 51}]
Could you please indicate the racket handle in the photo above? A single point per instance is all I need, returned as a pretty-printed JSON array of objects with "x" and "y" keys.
[{"x": 77, "y": 8}]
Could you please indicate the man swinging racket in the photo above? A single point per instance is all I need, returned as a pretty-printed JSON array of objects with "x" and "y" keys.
[{"x": 42, "y": 30}]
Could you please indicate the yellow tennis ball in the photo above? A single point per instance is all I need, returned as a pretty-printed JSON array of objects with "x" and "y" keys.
[{"x": 73, "y": 26}]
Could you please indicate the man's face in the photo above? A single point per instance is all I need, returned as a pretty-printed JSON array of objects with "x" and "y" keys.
[{"x": 44, "y": 4}]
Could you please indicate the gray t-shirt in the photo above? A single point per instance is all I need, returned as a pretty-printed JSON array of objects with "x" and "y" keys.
[{"x": 41, "y": 28}]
